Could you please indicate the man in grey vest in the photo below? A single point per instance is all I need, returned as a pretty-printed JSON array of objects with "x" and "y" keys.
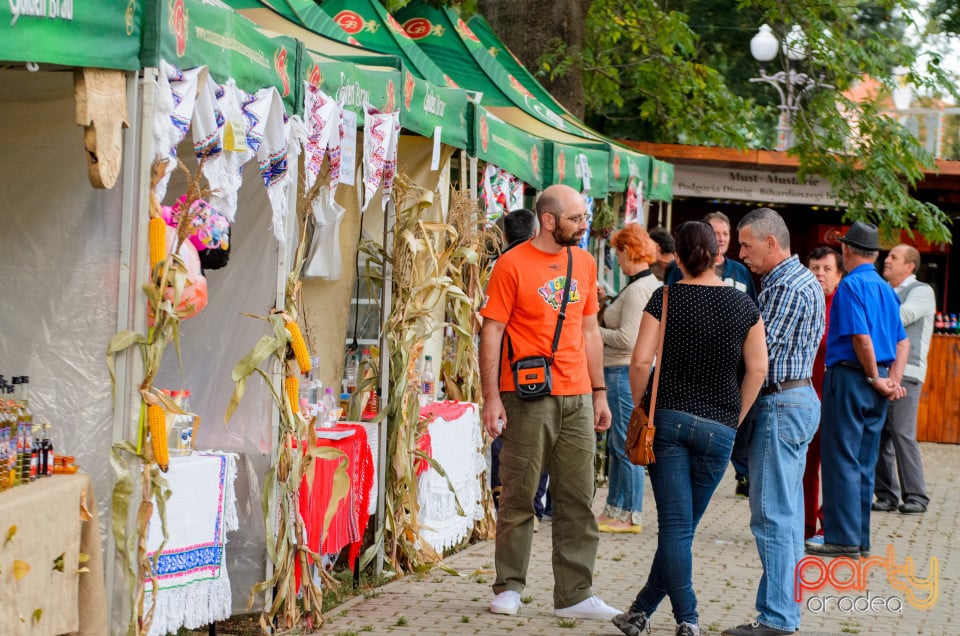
[{"x": 899, "y": 451}]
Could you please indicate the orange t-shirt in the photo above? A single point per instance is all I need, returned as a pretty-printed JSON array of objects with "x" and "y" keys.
[{"x": 525, "y": 292}]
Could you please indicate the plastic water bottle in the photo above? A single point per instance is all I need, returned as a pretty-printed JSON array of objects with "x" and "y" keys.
[
  {"x": 428, "y": 382},
  {"x": 350, "y": 373},
  {"x": 327, "y": 416}
]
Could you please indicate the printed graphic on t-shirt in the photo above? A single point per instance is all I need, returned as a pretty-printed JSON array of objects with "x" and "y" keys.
[{"x": 552, "y": 291}]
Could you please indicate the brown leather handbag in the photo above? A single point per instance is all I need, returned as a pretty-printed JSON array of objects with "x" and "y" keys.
[{"x": 640, "y": 432}]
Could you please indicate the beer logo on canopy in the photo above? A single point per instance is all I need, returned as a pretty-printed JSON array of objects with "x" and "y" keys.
[
  {"x": 616, "y": 166},
  {"x": 396, "y": 26},
  {"x": 417, "y": 28},
  {"x": 280, "y": 66},
  {"x": 484, "y": 132},
  {"x": 517, "y": 86},
  {"x": 465, "y": 30},
  {"x": 178, "y": 25},
  {"x": 408, "y": 86},
  {"x": 561, "y": 166},
  {"x": 391, "y": 104},
  {"x": 450, "y": 81},
  {"x": 315, "y": 77},
  {"x": 535, "y": 161},
  {"x": 128, "y": 16},
  {"x": 349, "y": 21}
]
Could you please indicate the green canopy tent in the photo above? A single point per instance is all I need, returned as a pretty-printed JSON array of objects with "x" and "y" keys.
[
  {"x": 493, "y": 51},
  {"x": 448, "y": 41},
  {"x": 519, "y": 153}
]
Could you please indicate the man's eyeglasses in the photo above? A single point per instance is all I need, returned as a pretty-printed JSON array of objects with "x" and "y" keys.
[{"x": 576, "y": 220}]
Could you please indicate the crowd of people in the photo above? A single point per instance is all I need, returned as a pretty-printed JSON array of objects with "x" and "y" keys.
[{"x": 810, "y": 384}]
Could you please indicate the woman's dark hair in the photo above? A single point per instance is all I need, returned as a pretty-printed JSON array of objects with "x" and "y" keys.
[{"x": 696, "y": 247}]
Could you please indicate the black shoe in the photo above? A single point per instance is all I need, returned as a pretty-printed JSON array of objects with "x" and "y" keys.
[
  {"x": 883, "y": 505},
  {"x": 756, "y": 628},
  {"x": 632, "y": 623},
  {"x": 832, "y": 549},
  {"x": 912, "y": 508},
  {"x": 743, "y": 487}
]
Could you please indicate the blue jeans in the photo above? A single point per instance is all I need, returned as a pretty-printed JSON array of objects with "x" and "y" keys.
[
  {"x": 625, "y": 494},
  {"x": 854, "y": 415},
  {"x": 786, "y": 422},
  {"x": 692, "y": 455},
  {"x": 740, "y": 458}
]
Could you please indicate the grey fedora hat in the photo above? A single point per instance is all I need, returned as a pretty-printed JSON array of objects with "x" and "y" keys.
[{"x": 863, "y": 235}]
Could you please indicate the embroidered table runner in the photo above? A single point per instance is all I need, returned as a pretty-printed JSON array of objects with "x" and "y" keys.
[{"x": 193, "y": 584}]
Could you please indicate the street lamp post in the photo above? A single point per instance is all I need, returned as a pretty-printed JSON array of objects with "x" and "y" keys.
[{"x": 790, "y": 84}]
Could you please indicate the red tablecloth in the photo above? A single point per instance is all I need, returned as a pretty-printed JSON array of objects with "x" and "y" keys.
[{"x": 350, "y": 521}]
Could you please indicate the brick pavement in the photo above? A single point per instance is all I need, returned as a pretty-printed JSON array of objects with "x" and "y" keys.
[{"x": 726, "y": 572}]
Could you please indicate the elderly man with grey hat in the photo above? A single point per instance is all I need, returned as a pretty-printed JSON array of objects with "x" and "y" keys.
[{"x": 867, "y": 349}]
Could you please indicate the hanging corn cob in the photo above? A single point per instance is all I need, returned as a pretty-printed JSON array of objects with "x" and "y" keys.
[
  {"x": 157, "y": 419},
  {"x": 292, "y": 384},
  {"x": 299, "y": 346},
  {"x": 158, "y": 241}
]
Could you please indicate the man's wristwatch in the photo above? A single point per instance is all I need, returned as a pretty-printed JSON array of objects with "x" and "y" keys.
[{"x": 872, "y": 380}]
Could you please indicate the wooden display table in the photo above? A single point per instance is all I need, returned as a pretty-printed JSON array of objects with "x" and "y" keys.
[
  {"x": 938, "y": 417},
  {"x": 55, "y": 517}
]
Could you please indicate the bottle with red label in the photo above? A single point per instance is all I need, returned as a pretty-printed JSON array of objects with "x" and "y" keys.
[{"x": 938, "y": 323}]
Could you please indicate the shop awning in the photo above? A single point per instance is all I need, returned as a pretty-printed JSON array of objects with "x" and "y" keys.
[
  {"x": 230, "y": 45},
  {"x": 99, "y": 33},
  {"x": 508, "y": 147},
  {"x": 581, "y": 166},
  {"x": 660, "y": 182}
]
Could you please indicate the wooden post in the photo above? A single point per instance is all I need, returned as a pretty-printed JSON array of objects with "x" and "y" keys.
[{"x": 102, "y": 111}]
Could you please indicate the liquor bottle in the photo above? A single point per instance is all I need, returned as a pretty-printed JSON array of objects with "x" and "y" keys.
[
  {"x": 46, "y": 452},
  {"x": 350, "y": 373},
  {"x": 428, "y": 382},
  {"x": 954, "y": 325},
  {"x": 938, "y": 323},
  {"x": 35, "y": 453}
]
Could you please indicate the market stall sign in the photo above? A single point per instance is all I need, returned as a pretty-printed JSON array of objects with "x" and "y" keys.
[
  {"x": 191, "y": 33},
  {"x": 98, "y": 33},
  {"x": 509, "y": 148},
  {"x": 751, "y": 185},
  {"x": 368, "y": 24}
]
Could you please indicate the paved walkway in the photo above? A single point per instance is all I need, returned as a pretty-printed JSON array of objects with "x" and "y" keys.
[{"x": 726, "y": 572}]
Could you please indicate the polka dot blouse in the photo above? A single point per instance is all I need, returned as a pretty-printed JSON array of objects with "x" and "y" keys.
[{"x": 703, "y": 349}]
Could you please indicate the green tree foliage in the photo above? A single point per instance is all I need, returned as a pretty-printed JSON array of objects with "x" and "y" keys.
[{"x": 946, "y": 15}]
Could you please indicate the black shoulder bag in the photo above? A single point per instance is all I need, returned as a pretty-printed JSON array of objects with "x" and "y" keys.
[{"x": 531, "y": 375}]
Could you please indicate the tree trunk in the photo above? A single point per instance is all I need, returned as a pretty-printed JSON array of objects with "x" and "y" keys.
[{"x": 529, "y": 28}]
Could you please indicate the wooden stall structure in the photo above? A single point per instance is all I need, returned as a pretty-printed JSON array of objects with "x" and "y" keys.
[{"x": 938, "y": 417}]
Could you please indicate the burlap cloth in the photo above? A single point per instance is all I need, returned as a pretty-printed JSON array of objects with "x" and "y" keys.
[{"x": 53, "y": 516}]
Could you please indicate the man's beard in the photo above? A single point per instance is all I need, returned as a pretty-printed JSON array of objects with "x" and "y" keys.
[{"x": 569, "y": 240}]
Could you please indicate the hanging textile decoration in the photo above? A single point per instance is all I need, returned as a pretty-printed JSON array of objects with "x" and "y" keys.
[
  {"x": 176, "y": 100},
  {"x": 267, "y": 137},
  {"x": 236, "y": 150},
  {"x": 208, "y": 135},
  {"x": 502, "y": 192},
  {"x": 324, "y": 121},
  {"x": 324, "y": 260},
  {"x": 632, "y": 211},
  {"x": 381, "y": 136},
  {"x": 585, "y": 239}
]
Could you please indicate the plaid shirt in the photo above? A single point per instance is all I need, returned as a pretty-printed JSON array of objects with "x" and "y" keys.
[{"x": 792, "y": 306}]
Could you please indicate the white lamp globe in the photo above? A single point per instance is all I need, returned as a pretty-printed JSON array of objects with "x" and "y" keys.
[
  {"x": 764, "y": 45},
  {"x": 795, "y": 44}
]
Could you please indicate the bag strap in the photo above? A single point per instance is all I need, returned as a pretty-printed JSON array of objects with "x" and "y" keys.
[
  {"x": 560, "y": 318},
  {"x": 656, "y": 372}
]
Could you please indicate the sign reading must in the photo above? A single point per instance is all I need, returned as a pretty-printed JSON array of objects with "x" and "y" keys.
[{"x": 750, "y": 185}]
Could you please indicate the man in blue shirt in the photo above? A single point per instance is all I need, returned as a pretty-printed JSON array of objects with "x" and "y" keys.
[
  {"x": 787, "y": 414},
  {"x": 867, "y": 349}
]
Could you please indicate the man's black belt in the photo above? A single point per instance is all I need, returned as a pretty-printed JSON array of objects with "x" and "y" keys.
[
  {"x": 776, "y": 387},
  {"x": 857, "y": 365}
]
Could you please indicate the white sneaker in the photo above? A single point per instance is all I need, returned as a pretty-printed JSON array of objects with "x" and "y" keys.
[
  {"x": 505, "y": 603},
  {"x": 592, "y": 608}
]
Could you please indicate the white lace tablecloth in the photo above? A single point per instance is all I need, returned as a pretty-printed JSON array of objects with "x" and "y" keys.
[{"x": 456, "y": 446}]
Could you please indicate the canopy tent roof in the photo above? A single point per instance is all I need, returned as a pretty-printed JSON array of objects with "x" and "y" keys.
[
  {"x": 660, "y": 184},
  {"x": 90, "y": 33},
  {"x": 353, "y": 74},
  {"x": 231, "y": 46},
  {"x": 622, "y": 159},
  {"x": 369, "y": 24},
  {"x": 511, "y": 148}
]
